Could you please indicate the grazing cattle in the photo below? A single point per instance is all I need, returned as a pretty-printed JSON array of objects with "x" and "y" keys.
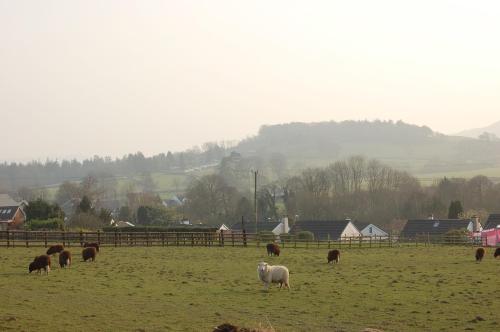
[
  {"x": 334, "y": 256},
  {"x": 497, "y": 253},
  {"x": 273, "y": 274},
  {"x": 273, "y": 249},
  {"x": 55, "y": 249},
  {"x": 91, "y": 244},
  {"x": 65, "y": 258},
  {"x": 479, "y": 254},
  {"x": 88, "y": 253},
  {"x": 39, "y": 263}
]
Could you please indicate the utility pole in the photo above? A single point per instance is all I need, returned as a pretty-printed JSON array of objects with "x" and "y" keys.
[{"x": 255, "y": 200}]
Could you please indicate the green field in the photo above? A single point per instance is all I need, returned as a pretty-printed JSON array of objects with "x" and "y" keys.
[{"x": 195, "y": 289}]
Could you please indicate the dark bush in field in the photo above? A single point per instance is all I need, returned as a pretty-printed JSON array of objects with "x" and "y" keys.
[
  {"x": 48, "y": 224},
  {"x": 305, "y": 236}
]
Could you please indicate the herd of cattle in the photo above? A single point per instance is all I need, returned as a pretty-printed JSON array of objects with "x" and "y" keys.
[{"x": 43, "y": 262}]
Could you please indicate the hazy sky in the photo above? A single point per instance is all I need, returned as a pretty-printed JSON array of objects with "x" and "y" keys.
[{"x": 79, "y": 78}]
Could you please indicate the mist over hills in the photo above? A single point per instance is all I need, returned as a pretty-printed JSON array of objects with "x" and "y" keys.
[
  {"x": 292, "y": 147},
  {"x": 475, "y": 133},
  {"x": 416, "y": 149}
]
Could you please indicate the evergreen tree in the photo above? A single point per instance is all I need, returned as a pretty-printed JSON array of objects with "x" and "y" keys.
[{"x": 455, "y": 209}]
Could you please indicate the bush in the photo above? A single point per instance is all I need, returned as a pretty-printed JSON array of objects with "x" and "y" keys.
[
  {"x": 48, "y": 224},
  {"x": 305, "y": 236}
]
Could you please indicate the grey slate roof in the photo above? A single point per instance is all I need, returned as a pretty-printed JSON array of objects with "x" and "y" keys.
[
  {"x": 433, "y": 226},
  {"x": 267, "y": 226},
  {"x": 8, "y": 212},
  {"x": 493, "y": 221},
  {"x": 322, "y": 229},
  {"x": 361, "y": 225}
]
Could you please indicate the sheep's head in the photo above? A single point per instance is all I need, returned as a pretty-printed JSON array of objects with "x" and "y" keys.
[{"x": 263, "y": 267}]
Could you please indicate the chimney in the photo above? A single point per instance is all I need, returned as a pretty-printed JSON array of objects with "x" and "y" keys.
[
  {"x": 476, "y": 226},
  {"x": 285, "y": 225}
]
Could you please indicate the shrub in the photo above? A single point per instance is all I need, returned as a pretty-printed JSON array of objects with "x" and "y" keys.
[
  {"x": 305, "y": 235},
  {"x": 48, "y": 224}
]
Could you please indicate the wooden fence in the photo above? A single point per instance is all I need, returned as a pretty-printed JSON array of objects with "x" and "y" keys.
[{"x": 211, "y": 239}]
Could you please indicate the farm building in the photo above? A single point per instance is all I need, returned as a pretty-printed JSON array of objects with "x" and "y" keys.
[
  {"x": 277, "y": 227},
  {"x": 368, "y": 229},
  {"x": 326, "y": 229},
  {"x": 433, "y": 226},
  {"x": 121, "y": 223},
  {"x": 12, "y": 213},
  {"x": 490, "y": 236},
  {"x": 223, "y": 228},
  {"x": 493, "y": 221}
]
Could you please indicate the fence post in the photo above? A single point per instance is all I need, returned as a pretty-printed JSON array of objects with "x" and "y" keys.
[
  {"x": 26, "y": 234},
  {"x": 116, "y": 237},
  {"x": 8, "y": 238},
  {"x": 244, "y": 238},
  {"x": 295, "y": 242},
  {"x": 63, "y": 238},
  {"x": 99, "y": 236},
  {"x": 81, "y": 239},
  {"x": 371, "y": 241},
  {"x": 350, "y": 241},
  {"x": 360, "y": 240},
  {"x": 232, "y": 238},
  {"x": 192, "y": 239},
  {"x": 45, "y": 238},
  {"x": 221, "y": 238}
]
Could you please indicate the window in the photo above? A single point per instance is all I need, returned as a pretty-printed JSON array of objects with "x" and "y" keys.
[{"x": 370, "y": 229}]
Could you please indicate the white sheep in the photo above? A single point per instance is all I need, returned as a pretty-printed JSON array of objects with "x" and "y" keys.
[{"x": 273, "y": 274}]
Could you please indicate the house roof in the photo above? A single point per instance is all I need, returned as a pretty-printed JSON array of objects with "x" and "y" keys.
[
  {"x": 8, "y": 212},
  {"x": 6, "y": 201},
  {"x": 433, "y": 226},
  {"x": 322, "y": 229},
  {"x": 361, "y": 225},
  {"x": 493, "y": 221},
  {"x": 261, "y": 226}
]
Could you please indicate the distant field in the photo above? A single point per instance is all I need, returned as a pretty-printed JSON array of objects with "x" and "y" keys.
[{"x": 194, "y": 289}]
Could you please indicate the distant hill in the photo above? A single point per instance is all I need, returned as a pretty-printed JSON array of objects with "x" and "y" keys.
[
  {"x": 493, "y": 129},
  {"x": 405, "y": 146}
]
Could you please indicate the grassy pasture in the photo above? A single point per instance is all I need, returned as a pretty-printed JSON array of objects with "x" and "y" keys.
[{"x": 195, "y": 289}]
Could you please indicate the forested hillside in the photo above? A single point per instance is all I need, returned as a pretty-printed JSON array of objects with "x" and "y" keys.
[{"x": 281, "y": 150}]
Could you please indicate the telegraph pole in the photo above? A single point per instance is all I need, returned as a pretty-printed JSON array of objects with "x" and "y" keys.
[{"x": 255, "y": 200}]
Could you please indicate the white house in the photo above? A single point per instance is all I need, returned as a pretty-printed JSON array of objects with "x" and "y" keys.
[{"x": 371, "y": 230}]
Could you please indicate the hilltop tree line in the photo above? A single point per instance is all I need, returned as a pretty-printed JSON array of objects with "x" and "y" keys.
[{"x": 37, "y": 174}]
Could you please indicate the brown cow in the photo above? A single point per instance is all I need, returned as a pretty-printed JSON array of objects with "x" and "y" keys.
[
  {"x": 88, "y": 253},
  {"x": 65, "y": 258},
  {"x": 334, "y": 256},
  {"x": 91, "y": 244},
  {"x": 39, "y": 263},
  {"x": 55, "y": 249},
  {"x": 273, "y": 249},
  {"x": 479, "y": 254}
]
